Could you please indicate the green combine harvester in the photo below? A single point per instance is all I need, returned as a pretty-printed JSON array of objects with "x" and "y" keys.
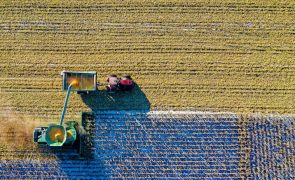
[{"x": 59, "y": 135}]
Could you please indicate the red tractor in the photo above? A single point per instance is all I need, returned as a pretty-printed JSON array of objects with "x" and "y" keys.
[{"x": 119, "y": 84}]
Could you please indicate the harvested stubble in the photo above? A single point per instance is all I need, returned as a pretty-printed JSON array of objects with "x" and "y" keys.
[{"x": 221, "y": 56}]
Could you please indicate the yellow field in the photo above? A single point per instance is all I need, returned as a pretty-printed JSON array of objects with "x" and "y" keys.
[{"x": 211, "y": 55}]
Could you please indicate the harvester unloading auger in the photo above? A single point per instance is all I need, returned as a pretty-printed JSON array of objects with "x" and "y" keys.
[{"x": 58, "y": 135}]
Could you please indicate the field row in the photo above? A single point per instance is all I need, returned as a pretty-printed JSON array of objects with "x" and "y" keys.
[
  {"x": 139, "y": 8},
  {"x": 153, "y": 13},
  {"x": 50, "y": 103},
  {"x": 31, "y": 84}
]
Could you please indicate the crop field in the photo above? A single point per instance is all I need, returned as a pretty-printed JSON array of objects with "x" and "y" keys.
[
  {"x": 165, "y": 144},
  {"x": 221, "y": 56},
  {"x": 234, "y": 56}
]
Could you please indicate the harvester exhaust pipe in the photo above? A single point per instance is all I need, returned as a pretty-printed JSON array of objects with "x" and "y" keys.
[{"x": 73, "y": 83}]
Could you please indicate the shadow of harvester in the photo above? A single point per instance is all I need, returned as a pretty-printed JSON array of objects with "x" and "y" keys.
[{"x": 121, "y": 100}]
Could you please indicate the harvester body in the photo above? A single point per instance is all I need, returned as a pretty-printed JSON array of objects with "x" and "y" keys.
[{"x": 57, "y": 135}]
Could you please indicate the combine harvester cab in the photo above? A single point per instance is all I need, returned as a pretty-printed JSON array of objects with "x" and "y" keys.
[{"x": 60, "y": 135}]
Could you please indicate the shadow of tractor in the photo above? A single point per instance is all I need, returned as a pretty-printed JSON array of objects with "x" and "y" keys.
[{"x": 121, "y": 100}]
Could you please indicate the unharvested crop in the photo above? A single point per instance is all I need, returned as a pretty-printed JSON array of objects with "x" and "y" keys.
[{"x": 270, "y": 142}]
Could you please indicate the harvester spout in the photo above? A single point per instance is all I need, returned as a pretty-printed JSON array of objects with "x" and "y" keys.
[{"x": 73, "y": 83}]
